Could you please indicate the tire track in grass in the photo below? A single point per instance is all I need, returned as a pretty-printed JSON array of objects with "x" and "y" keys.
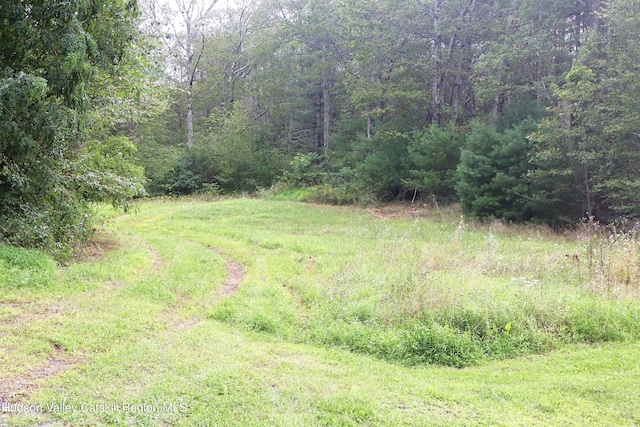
[
  {"x": 235, "y": 276},
  {"x": 235, "y": 271},
  {"x": 15, "y": 390}
]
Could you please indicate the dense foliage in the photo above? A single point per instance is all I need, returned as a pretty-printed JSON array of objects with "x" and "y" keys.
[
  {"x": 523, "y": 110},
  {"x": 435, "y": 100},
  {"x": 50, "y": 53}
]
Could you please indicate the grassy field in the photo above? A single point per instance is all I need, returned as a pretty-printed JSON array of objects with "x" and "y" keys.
[{"x": 255, "y": 312}]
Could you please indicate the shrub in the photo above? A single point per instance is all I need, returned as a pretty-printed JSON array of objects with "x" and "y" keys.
[
  {"x": 235, "y": 155},
  {"x": 304, "y": 170},
  {"x": 181, "y": 179},
  {"x": 381, "y": 164}
]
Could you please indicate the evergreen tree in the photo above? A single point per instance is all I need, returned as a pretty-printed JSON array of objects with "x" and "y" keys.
[{"x": 492, "y": 172}]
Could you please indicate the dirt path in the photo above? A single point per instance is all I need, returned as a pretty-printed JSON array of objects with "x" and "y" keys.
[
  {"x": 235, "y": 275},
  {"x": 15, "y": 390}
]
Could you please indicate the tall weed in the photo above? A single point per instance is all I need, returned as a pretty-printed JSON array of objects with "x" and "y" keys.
[{"x": 610, "y": 259}]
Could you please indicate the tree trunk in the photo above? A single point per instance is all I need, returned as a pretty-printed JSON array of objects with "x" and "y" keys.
[
  {"x": 194, "y": 15},
  {"x": 319, "y": 125},
  {"x": 190, "y": 78},
  {"x": 326, "y": 113},
  {"x": 190, "y": 115},
  {"x": 436, "y": 88},
  {"x": 587, "y": 189}
]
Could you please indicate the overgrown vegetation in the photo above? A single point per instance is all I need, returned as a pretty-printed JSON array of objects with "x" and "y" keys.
[
  {"x": 343, "y": 315},
  {"x": 421, "y": 292},
  {"x": 50, "y": 168}
]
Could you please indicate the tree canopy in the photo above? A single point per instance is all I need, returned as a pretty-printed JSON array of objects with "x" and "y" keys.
[
  {"x": 524, "y": 110},
  {"x": 399, "y": 99},
  {"x": 50, "y": 56}
]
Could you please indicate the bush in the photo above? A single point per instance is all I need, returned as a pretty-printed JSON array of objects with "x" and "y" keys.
[
  {"x": 235, "y": 155},
  {"x": 230, "y": 158},
  {"x": 182, "y": 179},
  {"x": 346, "y": 194},
  {"x": 157, "y": 152},
  {"x": 381, "y": 165},
  {"x": 304, "y": 170}
]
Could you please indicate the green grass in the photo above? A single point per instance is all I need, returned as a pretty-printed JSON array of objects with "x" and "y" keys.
[
  {"x": 21, "y": 268},
  {"x": 342, "y": 318}
]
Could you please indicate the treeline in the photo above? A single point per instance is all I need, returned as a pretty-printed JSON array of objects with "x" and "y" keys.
[{"x": 525, "y": 110}]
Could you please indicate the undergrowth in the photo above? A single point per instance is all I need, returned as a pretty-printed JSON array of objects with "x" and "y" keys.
[
  {"x": 448, "y": 292},
  {"x": 610, "y": 258}
]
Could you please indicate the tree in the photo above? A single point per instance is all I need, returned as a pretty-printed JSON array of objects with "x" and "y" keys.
[
  {"x": 49, "y": 56},
  {"x": 382, "y": 79},
  {"x": 313, "y": 41},
  {"x": 185, "y": 41},
  {"x": 567, "y": 149},
  {"x": 227, "y": 59},
  {"x": 492, "y": 172},
  {"x": 586, "y": 150},
  {"x": 434, "y": 156},
  {"x": 381, "y": 163},
  {"x": 460, "y": 31},
  {"x": 363, "y": 81},
  {"x": 531, "y": 52}
]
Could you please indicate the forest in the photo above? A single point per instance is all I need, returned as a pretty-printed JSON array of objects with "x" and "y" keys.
[{"x": 517, "y": 110}]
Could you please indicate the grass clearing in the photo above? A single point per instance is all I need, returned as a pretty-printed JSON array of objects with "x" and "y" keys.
[{"x": 337, "y": 316}]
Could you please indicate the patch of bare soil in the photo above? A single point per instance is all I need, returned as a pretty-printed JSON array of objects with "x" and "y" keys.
[
  {"x": 14, "y": 390},
  {"x": 235, "y": 275},
  {"x": 96, "y": 247},
  {"x": 28, "y": 312}
]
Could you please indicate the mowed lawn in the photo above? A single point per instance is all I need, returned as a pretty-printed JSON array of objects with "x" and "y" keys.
[{"x": 253, "y": 312}]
